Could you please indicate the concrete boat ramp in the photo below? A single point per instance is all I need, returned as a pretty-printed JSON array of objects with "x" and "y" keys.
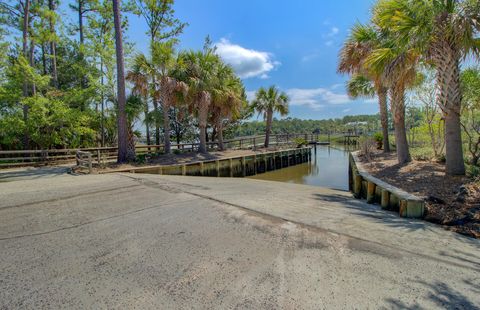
[{"x": 176, "y": 242}]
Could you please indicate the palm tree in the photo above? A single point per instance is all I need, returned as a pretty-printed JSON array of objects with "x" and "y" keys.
[
  {"x": 361, "y": 87},
  {"x": 228, "y": 99},
  {"x": 269, "y": 101},
  {"x": 443, "y": 32},
  {"x": 133, "y": 108},
  {"x": 362, "y": 41},
  {"x": 399, "y": 70},
  {"x": 199, "y": 71},
  {"x": 139, "y": 77},
  {"x": 124, "y": 155},
  {"x": 166, "y": 60}
]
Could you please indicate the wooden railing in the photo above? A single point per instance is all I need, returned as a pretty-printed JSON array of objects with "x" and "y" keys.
[{"x": 101, "y": 155}]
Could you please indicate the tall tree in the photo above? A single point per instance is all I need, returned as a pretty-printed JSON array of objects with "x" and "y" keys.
[
  {"x": 123, "y": 154},
  {"x": 52, "y": 5},
  {"x": 162, "y": 25},
  {"x": 199, "y": 72},
  {"x": 25, "y": 5},
  {"x": 165, "y": 58},
  {"x": 399, "y": 69},
  {"x": 82, "y": 7},
  {"x": 443, "y": 32},
  {"x": 228, "y": 100},
  {"x": 101, "y": 50},
  {"x": 362, "y": 41},
  {"x": 139, "y": 77},
  {"x": 267, "y": 102}
]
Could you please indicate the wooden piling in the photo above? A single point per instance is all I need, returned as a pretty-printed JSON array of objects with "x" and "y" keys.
[
  {"x": 370, "y": 192},
  {"x": 357, "y": 186},
  {"x": 385, "y": 200},
  {"x": 244, "y": 167}
]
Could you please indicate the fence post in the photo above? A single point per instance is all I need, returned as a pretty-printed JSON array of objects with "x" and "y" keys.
[{"x": 89, "y": 163}]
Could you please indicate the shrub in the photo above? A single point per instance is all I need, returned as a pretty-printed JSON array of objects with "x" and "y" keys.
[
  {"x": 378, "y": 137},
  {"x": 300, "y": 142},
  {"x": 367, "y": 147},
  {"x": 422, "y": 153},
  {"x": 142, "y": 158},
  {"x": 473, "y": 171}
]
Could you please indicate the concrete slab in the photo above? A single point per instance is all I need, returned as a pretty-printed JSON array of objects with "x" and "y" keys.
[{"x": 150, "y": 241}]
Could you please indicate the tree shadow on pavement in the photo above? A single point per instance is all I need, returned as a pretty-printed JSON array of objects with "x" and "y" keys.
[
  {"x": 32, "y": 173},
  {"x": 374, "y": 212},
  {"x": 442, "y": 296}
]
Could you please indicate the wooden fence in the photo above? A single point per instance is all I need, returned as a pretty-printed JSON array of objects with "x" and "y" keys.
[{"x": 109, "y": 154}]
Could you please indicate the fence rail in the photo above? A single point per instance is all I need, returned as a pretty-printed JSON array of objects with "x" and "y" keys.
[{"x": 101, "y": 155}]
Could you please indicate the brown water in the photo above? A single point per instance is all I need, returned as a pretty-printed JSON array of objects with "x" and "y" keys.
[{"x": 328, "y": 168}]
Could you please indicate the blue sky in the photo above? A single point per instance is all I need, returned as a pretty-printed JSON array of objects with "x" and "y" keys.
[{"x": 291, "y": 44}]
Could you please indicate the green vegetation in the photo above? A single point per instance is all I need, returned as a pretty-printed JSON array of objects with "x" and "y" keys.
[
  {"x": 357, "y": 123},
  {"x": 404, "y": 39},
  {"x": 65, "y": 85},
  {"x": 267, "y": 102},
  {"x": 82, "y": 85}
]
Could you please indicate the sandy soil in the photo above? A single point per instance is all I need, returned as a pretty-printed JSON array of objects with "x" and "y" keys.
[{"x": 451, "y": 201}]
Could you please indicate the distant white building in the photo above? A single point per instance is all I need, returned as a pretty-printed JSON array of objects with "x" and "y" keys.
[{"x": 355, "y": 124}]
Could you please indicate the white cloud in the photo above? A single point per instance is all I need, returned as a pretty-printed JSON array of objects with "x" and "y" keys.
[
  {"x": 330, "y": 36},
  {"x": 336, "y": 86},
  {"x": 316, "y": 98},
  {"x": 333, "y": 32},
  {"x": 246, "y": 62},
  {"x": 346, "y": 110},
  {"x": 310, "y": 57}
]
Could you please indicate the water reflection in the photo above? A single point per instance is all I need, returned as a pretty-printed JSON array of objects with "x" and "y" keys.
[{"x": 328, "y": 168}]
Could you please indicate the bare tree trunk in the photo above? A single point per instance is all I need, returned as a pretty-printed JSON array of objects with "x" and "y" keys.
[
  {"x": 398, "y": 111},
  {"x": 450, "y": 101},
  {"x": 102, "y": 122},
  {"x": 80, "y": 20},
  {"x": 382, "y": 101},
  {"x": 203, "y": 106},
  {"x": 26, "y": 26},
  {"x": 454, "y": 164},
  {"x": 131, "y": 142},
  {"x": 219, "y": 126},
  {"x": 44, "y": 60},
  {"x": 123, "y": 154},
  {"x": 81, "y": 9},
  {"x": 53, "y": 48},
  {"x": 155, "y": 109},
  {"x": 147, "y": 125},
  {"x": 166, "y": 128},
  {"x": 268, "y": 128},
  {"x": 32, "y": 63}
]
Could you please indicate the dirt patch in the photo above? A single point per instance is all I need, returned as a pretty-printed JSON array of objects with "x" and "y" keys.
[{"x": 452, "y": 201}]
